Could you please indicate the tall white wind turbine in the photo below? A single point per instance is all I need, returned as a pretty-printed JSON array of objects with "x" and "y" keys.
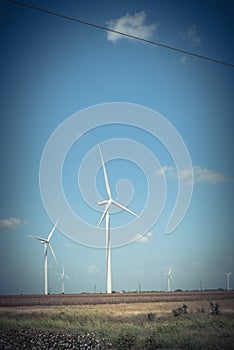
[
  {"x": 63, "y": 277},
  {"x": 106, "y": 215},
  {"x": 169, "y": 279},
  {"x": 47, "y": 245},
  {"x": 228, "y": 280}
]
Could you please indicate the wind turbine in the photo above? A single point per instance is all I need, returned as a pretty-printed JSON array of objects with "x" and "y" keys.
[
  {"x": 62, "y": 277},
  {"x": 106, "y": 215},
  {"x": 47, "y": 245},
  {"x": 169, "y": 279},
  {"x": 228, "y": 280}
]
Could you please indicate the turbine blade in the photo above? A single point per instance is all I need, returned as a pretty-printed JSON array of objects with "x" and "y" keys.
[
  {"x": 101, "y": 220},
  {"x": 52, "y": 251},
  {"x": 104, "y": 214},
  {"x": 39, "y": 238},
  {"x": 103, "y": 202},
  {"x": 124, "y": 208},
  {"x": 52, "y": 231},
  {"x": 105, "y": 175}
]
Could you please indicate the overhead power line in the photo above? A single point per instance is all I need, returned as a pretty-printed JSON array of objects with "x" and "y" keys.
[{"x": 121, "y": 33}]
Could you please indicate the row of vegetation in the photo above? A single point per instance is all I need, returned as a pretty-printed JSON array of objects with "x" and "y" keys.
[{"x": 120, "y": 327}]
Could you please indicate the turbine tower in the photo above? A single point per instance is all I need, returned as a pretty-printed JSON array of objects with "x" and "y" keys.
[
  {"x": 169, "y": 279},
  {"x": 106, "y": 215},
  {"x": 228, "y": 280},
  {"x": 47, "y": 245},
  {"x": 63, "y": 277}
]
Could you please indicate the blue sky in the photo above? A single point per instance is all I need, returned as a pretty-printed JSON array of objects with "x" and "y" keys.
[{"x": 51, "y": 69}]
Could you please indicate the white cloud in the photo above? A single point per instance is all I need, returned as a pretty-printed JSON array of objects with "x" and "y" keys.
[
  {"x": 184, "y": 59},
  {"x": 190, "y": 35},
  {"x": 11, "y": 223},
  {"x": 92, "y": 269},
  {"x": 200, "y": 175},
  {"x": 143, "y": 239},
  {"x": 166, "y": 169},
  {"x": 131, "y": 24}
]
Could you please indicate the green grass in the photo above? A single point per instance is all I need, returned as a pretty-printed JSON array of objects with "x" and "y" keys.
[{"x": 128, "y": 328}]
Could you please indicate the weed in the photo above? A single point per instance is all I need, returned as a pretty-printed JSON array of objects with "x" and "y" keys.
[
  {"x": 153, "y": 342},
  {"x": 177, "y": 312},
  {"x": 214, "y": 308},
  {"x": 126, "y": 341},
  {"x": 180, "y": 310},
  {"x": 185, "y": 308},
  {"x": 151, "y": 316}
]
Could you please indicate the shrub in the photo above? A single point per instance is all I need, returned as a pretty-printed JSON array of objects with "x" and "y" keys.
[
  {"x": 214, "y": 308},
  {"x": 185, "y": 308},
  {"x": 180, "y": 310},
  {"x": 151, "y": 316},
  {"x": 177, "y": 312},
  {"x": 151, "y": 342},
  {"x": 126, "y": 341}
]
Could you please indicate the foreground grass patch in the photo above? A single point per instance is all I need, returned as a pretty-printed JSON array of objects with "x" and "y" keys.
[{"x": 127, "y": 326}]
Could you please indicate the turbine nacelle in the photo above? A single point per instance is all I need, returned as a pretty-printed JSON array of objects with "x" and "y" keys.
[{"x": 108, "y": 203}]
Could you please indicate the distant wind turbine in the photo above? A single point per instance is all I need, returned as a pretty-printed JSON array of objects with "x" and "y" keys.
[
  {"x": 228, "y": 280},
  {"x": 62, "y": 278},
  {"x": 47, "y": 245},
  {"x": 106, "y": 215},
  {"x": 169, "y": 279}
]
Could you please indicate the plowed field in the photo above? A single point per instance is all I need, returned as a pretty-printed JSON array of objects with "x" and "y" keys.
[{"x": 115, "y": 298}]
